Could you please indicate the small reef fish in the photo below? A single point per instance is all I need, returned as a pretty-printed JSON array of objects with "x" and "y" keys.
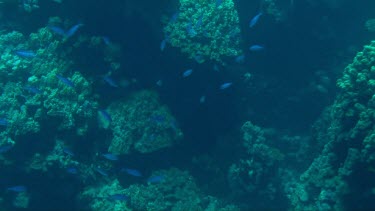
[
  {"x": 106, "y": 40},
  {"x": 225, "y": 85},
  {"x": 70, "y": 32},
  {"x": 132, "y": 172},
  {"x": 218, "y": 2},
  {"x": 190, "y": 30},
  {"x": 240, "y": 59},
  {"x": 255, "y": 20},
  {"x": 187, "y": 73},
  {"x": 110, "y": 81},
  {"x": 174, "y": 17},
  {"x": 65, "y": 80},
  {"x": 156, "y": 179},
  {"x": 101, "y": 171},
  {"x": 202, "y": 99},
  {"x": 118, "y": 197},
  {"x": 5, "y": 148},
  {"x": 17, "y": 189},
  {"x": 110, "y": 156},
  {"x": 199, "y": 59},
  {"x": 73, "y": 30},
  {"x": 3, "y": 122},
  {"x": 57, "y": 30},
  {"x": 32, "y": 89},
  {"x": 26, "y": 53},
  {"x": 159, "y": 83},
  {"x": 163, "y": 44},
  {"x": 216, "y": 68},
  {"x": 256, "y": 48},
  {"x": 199, "y": 22},
  {"x": 157, "y": 118},
  {"x": 68, "y": 151},
  {"x": 105, "y": 115},
  {"x": 72, "y": 170}
]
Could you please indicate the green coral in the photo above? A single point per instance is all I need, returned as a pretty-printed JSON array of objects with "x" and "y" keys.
[
  {"x": 142, "y": 124},
  {"x": 21, "y": 119},
  {"x": 54, "y": 158},
  {"x": 33, "y": 97},
  {"x": 205, "y": 30},
  {"x": 177, "y": 191},
  {"x": 345, "y": 132},
  {"x": 22, "y": 200},
  {"x": 99, "y": 197},
  {"x": 12, "y": 66},
  {"x": 75, "y": 106},
  {"x": 261, "y": 160},
  {"x": 274, "y": 9}
]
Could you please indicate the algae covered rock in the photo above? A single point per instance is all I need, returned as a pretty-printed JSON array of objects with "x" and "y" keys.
[{"x": 141, "y": 123}]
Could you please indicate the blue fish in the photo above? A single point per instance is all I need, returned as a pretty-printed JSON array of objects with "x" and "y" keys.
[
  {"x": 5, "y": 148},
  {"x": 225, "y": 85},
  {"x": 18, "y": 188},
  {"x": 199, "y": 59},
  {"x": 156, "y": 179},
  {"x": 163, "y": 44},
  {"x": 105, "y": 115},
  {"x": 255, "y": 20},
  {"x": 202, "y": 99},
  {"x": 159, "y": 83},
  {"x": 72, "y": 170},
  {"x": 26, "y": 53},
  {"x": 256, "y": 48},
  {"x": 68, "y": 151},
  {"x": 101, "y": 171},
  {"x": 57, "y": 30},
  {"x": 157, "y": 118},
  {"x": 174, "y": 17},
  {"x": 65, "y": 80},
  {"x": 106, "y": 40},
  {"x": 240, "y": 59},
  {"x": 190, "y": 30},
  {"x": 110, "y": 81},
  {"x": 118, "y": 197},
  {"x": 216, "y": 68},
  {"x": 110, "y": 156},
  {"x": 32, "y": 89},
  {"x": 132, "y": 172},
  {"x": 73, "y": 30},
  {"x": 3, "y": 122},
  {"x": 218, "y": 2},
  {"x": 199, "y": 22},
  {"x": 152, "y": 137},
  {"x": 187, "y": 73}
]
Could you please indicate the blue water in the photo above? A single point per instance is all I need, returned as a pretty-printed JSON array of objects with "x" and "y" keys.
[{"x": 96, "y": 115}]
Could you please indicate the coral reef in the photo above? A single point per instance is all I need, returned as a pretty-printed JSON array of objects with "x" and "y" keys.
[
  {"x": 274, "y": 9},
  {"x": 177, "y": 190},
  {"x": 370, "y": 25},
  {"x": 346, "y": 136},
  {"x": 141, "y": 124},
  {"x": 261, "y": 160},
  {"x": 205, "y": 30},
  {"x": 58, "y": 157},
  {"x": 29, "y": 69}
]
